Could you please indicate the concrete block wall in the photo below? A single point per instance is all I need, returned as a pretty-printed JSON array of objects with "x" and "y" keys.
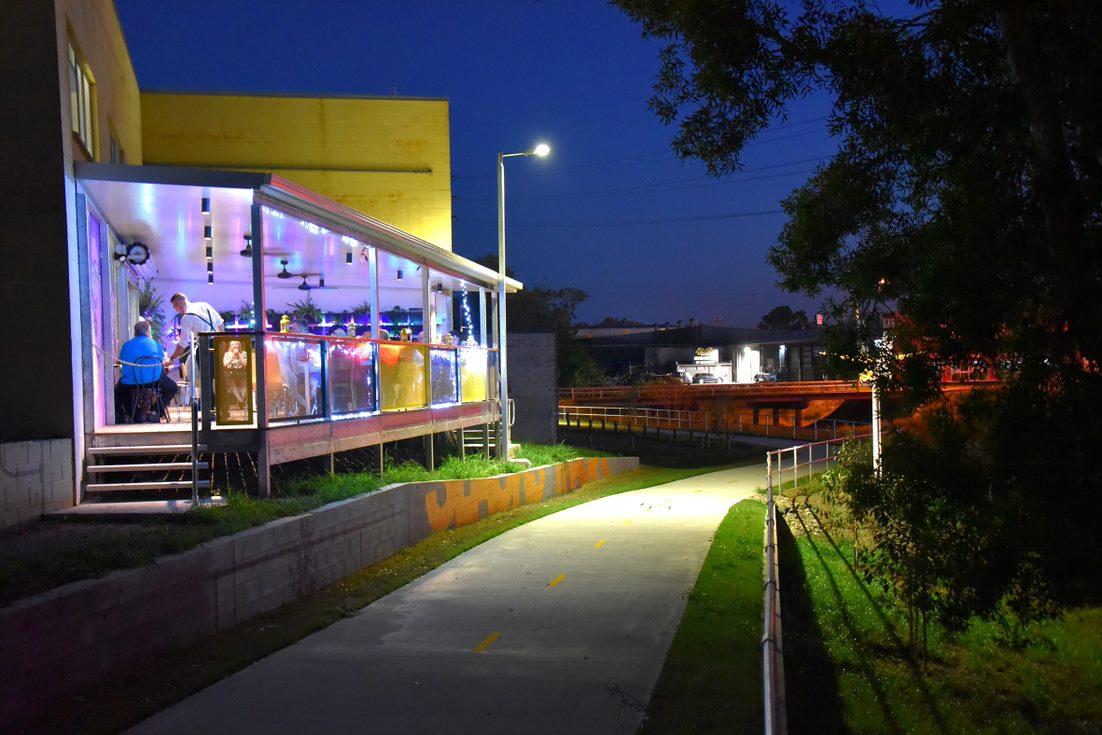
[
  {"x": 58, "y": 642},
  {"x": 532, "y": 383},
  {"x": 36, "y": 477}
]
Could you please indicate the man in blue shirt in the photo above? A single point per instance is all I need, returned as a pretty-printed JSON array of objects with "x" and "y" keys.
[{"x": 141, "y": 359}]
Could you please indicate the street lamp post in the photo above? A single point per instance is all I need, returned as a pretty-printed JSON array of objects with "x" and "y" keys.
[{"x": 539, "y": 151}]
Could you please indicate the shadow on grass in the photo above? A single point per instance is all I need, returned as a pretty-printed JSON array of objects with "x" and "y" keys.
[
  {"x": 810, "y": 679},
  {"x": 885, "y": 622},
  {"x": 890, "y": 720}
]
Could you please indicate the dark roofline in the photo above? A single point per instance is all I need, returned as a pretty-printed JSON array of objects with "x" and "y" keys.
[{"x": 296, "y": 95}]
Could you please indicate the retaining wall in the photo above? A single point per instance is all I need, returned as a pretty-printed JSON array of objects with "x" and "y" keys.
[{"x": 67, "y": 638}]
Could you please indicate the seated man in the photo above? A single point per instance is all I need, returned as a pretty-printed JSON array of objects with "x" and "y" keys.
[{"x": 141, "y": 359}]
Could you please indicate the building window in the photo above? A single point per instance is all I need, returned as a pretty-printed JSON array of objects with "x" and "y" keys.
[
  {"x": 116, "y": 150},
  {"x": 80, "y": 101}
]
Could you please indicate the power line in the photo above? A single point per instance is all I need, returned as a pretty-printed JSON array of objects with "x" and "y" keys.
[
  {"x": 629, "y": 223},
  {"x": 671, "y": 185},
  {"x": 655, "y": 157}
]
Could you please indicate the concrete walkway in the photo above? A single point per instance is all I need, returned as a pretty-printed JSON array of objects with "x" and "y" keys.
[{"x": 558, "y": 626}]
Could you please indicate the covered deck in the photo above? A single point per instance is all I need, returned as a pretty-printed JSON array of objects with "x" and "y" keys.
[{"x": 340, "y": 332}]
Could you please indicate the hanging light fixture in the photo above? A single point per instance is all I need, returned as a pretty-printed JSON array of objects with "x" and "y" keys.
[
  {"x": 205, "y": 206},
  {"x": 348, "y": 258},
  {"x": 208, "y": 232},
  {"x": 210, "y": 278},
  {"x": 210, "y": 267},
  {"x": 399, "y": 276},
  {"x": 247, "y": 251},
  {"x": 210, "y": 253}
]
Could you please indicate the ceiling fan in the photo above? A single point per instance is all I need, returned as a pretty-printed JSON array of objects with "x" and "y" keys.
[{"x": 305, "y": 286}]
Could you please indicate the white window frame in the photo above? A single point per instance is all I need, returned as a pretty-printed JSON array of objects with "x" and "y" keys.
[{"x": 80, "y": 100}]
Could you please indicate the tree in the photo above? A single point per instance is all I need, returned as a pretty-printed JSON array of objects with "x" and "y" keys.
[
  {"x": 610, "y": 321},
  {"x": 782, "y": 317},
  {"x": 552, "y": 310},
  {"x": 966, "y": 194}
]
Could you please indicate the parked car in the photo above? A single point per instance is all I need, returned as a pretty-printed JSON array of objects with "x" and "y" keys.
[
  {"x": 683, "y": 377},
  {"x": 705, "y": 378},
  {"x": 765, "y": 378}
]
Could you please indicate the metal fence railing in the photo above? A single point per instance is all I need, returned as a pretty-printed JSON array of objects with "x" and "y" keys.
[
  {"x": 791, "y": 464},
  {"x": 643, "y": 420},
  {"x": 621, "y": 418}
]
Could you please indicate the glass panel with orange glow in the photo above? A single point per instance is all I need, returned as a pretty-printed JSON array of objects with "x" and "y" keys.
[{"x": 402, "y": 382}]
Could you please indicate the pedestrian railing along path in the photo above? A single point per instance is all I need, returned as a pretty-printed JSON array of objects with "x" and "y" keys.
[
  {"x": 792, "y": 464},
  {"x": 666, "y": 423}
]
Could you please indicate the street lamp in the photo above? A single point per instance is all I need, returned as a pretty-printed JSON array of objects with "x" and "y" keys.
[{"x": 540, "y": 151}]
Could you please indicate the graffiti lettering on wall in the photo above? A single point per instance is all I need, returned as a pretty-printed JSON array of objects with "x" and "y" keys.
[{"x": 455, "y": 503}]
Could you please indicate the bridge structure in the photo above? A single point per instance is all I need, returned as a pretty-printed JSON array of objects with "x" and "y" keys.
[{"x": 797, "y": 405}]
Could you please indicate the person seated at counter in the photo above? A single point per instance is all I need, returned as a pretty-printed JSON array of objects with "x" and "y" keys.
[{"x": 140, "y": 360}]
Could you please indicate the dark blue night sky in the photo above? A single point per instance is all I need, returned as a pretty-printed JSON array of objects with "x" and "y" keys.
[{"x": 575, "y": 73}]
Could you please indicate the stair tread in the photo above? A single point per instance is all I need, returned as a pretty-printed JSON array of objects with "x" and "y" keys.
[
  {"x": 146, "y": 467},
  {"x": 144, "y": 449},
  {"x": 106, "y": 487}
]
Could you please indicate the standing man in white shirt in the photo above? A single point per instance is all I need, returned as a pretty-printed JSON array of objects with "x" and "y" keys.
[{"x": 195, "y": 317}]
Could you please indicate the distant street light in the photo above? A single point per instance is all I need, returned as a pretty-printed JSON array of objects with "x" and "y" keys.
[{"x": 542, "y": 150}]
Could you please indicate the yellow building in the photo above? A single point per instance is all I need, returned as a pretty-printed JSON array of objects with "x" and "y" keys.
[{"x": 388, "y": 157}]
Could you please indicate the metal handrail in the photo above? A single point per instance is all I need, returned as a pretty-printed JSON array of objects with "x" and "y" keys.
[
  {"x": 772, "y": 651},
  {"x": 658, "y": 418}
]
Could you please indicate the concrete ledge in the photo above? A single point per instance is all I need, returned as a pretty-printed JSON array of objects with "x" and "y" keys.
[{"x": 57, "y": 642}]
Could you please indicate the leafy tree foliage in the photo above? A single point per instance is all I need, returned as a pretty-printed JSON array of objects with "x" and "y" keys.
[
  {"x": 782, "y": 317},
  {"x": 967, "y": 190},
  {"x": 966, "y": 195},
  {"x": 553, "y": 310}
]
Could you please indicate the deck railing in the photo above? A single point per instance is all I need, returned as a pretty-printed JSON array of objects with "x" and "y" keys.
[{"x": 307, "y": 377}]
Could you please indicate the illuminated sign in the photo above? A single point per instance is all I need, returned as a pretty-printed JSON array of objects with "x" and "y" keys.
[{"x": 706, "y": 356}]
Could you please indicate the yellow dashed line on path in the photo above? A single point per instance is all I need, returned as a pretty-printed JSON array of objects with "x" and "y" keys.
[
  {"x": 487, "y": 642},
  {"x": 556, "y": 581},
  {"x": 599, "y": 544}
]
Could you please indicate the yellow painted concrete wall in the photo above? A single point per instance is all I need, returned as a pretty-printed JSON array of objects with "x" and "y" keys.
[
  {"x": 93, "y": 27},
  {"x": 386, "y": 157}
]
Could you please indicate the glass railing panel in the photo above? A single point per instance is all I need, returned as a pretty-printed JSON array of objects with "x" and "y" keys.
[
  {"x": 234, "y": 379},
  {"x": 292, "y": 377},
  {"x": 472, "y": 374},
  {"x": 442, "y": 368},
  {"x": 351, "y": 374},
  {"x": 402, "y": 382}
]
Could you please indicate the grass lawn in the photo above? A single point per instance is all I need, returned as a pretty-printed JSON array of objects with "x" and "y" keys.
[
  {"x": 51, "y": 553},
  {"x": 846, "y": 670},
  {"x": 711, "y": 680},
  {"x": 122, "y": 702}
]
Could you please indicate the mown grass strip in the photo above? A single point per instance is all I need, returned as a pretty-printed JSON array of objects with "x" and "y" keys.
[
  {"x": 126, "y": 700},
  {"x": 711, "y": 680}
]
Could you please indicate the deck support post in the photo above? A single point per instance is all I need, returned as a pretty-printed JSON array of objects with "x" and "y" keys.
[
  {"x": 330, "y": 465},
  {"x": 382, "y": 459},
  {"x": 263, "y": 470},
  {"x": 486, "y": 440},
  {"x": 430, "y": 453}
]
